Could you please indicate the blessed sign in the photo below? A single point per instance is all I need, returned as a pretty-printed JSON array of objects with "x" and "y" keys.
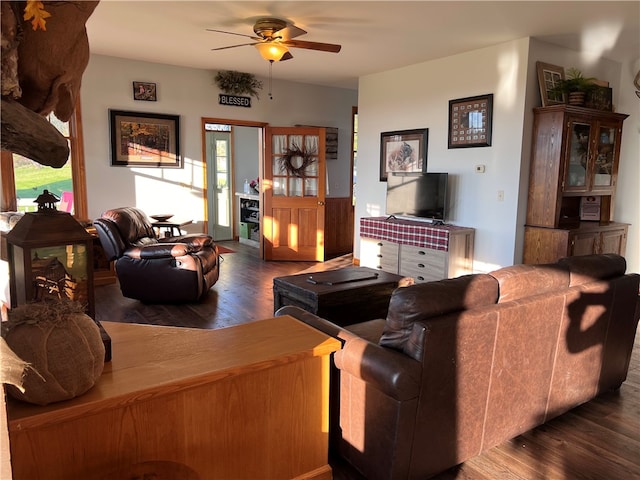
[{"x": 234, "y": 101}]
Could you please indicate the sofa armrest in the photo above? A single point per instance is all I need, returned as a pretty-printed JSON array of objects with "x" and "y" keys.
[
  {"x": 390, "y": 371},
  {"x": 158, "y": 250},
  {"x": 387, "y": 370},
  {"x": 316, "y": 322}
]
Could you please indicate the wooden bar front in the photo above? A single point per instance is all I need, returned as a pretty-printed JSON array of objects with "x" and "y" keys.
[{"x": 243, "y": 402}]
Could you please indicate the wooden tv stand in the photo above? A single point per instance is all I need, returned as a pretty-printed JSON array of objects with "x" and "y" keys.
[
  {"x": 412, "y": 248},
  {"x": 244, "y": 402}
]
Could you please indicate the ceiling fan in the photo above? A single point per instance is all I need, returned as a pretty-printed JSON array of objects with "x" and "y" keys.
[{"x": 273, "y": 38}]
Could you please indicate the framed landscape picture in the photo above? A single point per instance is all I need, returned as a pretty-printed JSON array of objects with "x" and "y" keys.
[
  {"x": 145, "y": 139},
  {"x": 470, "y": 121},
  {"x": 403, "y": 151}
]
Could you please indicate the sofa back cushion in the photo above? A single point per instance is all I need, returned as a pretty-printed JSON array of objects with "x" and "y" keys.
[
  {"x": 587, "y": 268},
  {"x": 520, "y": 281},
  {"x": 416, "y": 303}
]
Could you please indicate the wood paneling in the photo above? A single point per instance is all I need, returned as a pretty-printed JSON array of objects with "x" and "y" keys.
[
  {"x": 244, "y": 402},
  {"x": 338, "y": 227}
]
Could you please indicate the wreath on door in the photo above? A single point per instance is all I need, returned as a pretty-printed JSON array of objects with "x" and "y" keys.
[{"x": 286, "y": 161}]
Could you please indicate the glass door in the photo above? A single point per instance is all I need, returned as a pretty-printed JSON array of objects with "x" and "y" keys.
[
  {"x": 578, "y": 156},
  {"x": 604, "y": 168},
  {"x": 219, "y": 193}
]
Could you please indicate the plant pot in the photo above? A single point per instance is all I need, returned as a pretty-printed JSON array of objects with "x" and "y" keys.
[{"x": 576, "y": 98}]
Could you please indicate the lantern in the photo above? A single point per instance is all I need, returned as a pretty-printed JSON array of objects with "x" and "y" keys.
[{"x": 50, "y": 256}]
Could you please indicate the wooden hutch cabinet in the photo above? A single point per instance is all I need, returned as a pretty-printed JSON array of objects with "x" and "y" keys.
[{"x": 572, "y": 184}]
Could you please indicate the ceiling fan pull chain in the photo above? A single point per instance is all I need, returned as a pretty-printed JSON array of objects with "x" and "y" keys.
[{"x": 270, "y": 76}]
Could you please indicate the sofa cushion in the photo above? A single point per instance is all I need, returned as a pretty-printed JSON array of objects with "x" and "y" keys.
[
  {"x": 371, "y": 330},
  {"x": 426, "y": 300},
  {"x": 520, "y": 281},
  {"x": 587, "y": 268}
]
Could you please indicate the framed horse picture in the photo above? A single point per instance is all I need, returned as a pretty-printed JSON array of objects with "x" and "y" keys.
[{"x": 403, "y": 151}]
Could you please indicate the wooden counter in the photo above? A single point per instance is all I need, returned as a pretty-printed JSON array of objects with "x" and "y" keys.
[{"x": 249, "y": 401}]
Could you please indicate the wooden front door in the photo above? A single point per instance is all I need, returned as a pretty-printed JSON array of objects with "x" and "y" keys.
[{"x": 294, "y": 193}]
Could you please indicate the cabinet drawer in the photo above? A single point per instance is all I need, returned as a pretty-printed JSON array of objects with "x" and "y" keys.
[
  {"x": 379, "y": 254},
  {"x": 423, "y": 264}
]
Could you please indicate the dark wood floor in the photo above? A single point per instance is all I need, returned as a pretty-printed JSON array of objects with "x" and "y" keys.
[
  {"x": 599, "y": 440},
  {"x": 243, "y": 293}
]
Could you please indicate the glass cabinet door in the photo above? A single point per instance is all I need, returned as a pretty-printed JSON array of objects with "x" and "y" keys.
[
  {"x": 578, "y": 152},
  {"x": 604, "y": 156}
]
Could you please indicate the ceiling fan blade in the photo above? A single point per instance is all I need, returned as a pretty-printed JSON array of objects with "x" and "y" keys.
[
  {"x": 323, "y": 47},
  {"x": 234, "y": 46},
  {"x": 291, "y": 31},
  {"x": 233, "y": 33}
]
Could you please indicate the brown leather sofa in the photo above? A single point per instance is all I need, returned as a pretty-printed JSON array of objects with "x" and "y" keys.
[
  {"x": 157, "y": 270},
  {"x": 461, "y": 365}
]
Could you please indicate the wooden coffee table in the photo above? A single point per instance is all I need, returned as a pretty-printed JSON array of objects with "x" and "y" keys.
[{"x": 344, "y": 296}]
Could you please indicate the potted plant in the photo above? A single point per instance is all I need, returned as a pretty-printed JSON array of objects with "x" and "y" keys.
[
  {"x": 575, "y": 87},
  {"x": 238, "y": 83}
]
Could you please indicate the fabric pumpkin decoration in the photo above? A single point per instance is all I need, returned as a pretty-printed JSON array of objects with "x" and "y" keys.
[{"x": 62, "y": 347}]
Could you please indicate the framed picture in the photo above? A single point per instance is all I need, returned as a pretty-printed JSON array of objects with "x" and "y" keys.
[
  {"x": 470, "y": 121},
  {"x": 600, "y": 98},
  {"x": 549, "y": 76},
  {"x": 144, "y": 91},
  {"x": 403, "y": 151},
  {"x": 145, "y": 139}
]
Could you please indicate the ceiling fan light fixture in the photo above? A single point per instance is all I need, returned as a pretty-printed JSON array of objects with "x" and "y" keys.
[{"x": 272, "y": 51}]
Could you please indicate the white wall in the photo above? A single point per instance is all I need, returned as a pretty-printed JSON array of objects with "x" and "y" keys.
[
  {"x": 246, "y": 142},
  {"x": 192, "y": 94},
  {"x": 627, "y": 204},
  {"x": 418, "y": 97}
]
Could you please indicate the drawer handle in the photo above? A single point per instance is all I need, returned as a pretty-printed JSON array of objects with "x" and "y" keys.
[
  {"x": 379, "y": 267},
  {"x": 379, "y": 256},
  {"x": 421, "y": 265},
  {"x": 421, "y": 252},
  {"x": 420, "y": 278},
  {"x": 379, "y": 244}
]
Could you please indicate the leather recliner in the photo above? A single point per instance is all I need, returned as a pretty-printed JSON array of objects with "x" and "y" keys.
[{"x": 157, "y": 270}]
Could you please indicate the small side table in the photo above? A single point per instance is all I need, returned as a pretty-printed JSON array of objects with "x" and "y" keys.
[
  {"x": 170, "y": 229},
  {"x": 344, "y": 296}
]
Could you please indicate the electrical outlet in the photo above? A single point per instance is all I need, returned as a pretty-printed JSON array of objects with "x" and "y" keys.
[
  {"x": 479, "y": 168},
  {"x": 501, "y": 195}
]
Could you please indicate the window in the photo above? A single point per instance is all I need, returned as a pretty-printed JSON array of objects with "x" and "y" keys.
[{"x": 23, "y": 179}]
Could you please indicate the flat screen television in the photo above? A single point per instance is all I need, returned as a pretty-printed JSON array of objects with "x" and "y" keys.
[{"x": 417, "y": 195}]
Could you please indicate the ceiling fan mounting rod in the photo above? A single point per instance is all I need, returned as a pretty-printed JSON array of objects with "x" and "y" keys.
[{"x": 268, "y": 27}]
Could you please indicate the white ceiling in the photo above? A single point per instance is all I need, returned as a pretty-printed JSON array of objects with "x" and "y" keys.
[{"x": 375, "y": 35}]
